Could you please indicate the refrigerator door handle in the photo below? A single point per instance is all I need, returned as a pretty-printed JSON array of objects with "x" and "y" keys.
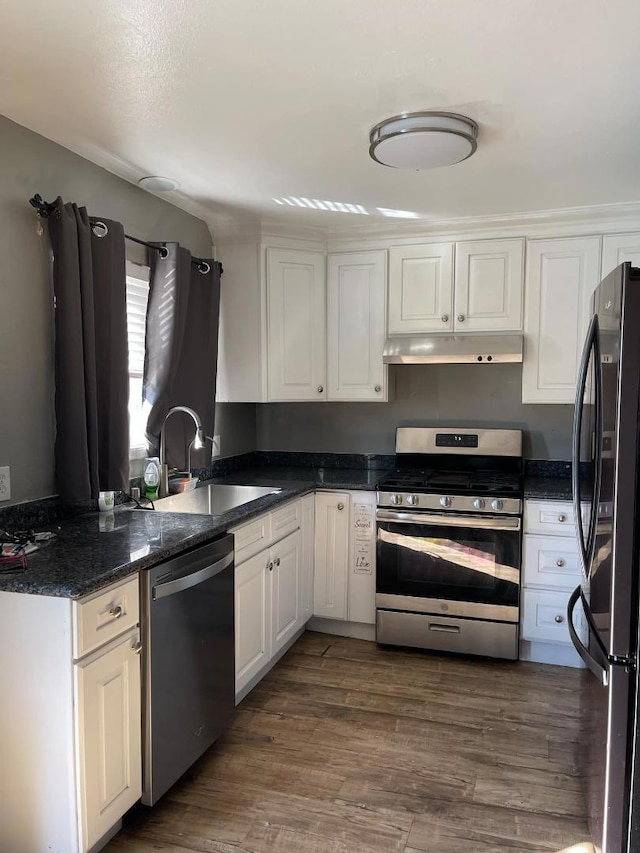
[
  {"x": 599, "y": 668},
  {"x": 586, "y": 544}
]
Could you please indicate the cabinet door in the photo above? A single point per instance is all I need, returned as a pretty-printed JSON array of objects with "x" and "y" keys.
[
  {"x": 253, "y": 617},
  {"x": 489, "y": 282},
  {"x": 109, "y": 736},
  {"x": 421, "y": 288},
  {"x": 356, "y": 326},
  {"x": 331, "y": 567},
  {"x": 286, "y": 581},
  {"x": 561, "y": 277},
  {"x": 296, "y": 323},
  {"x": 308, "y": 537},
  {"x": 618, "y": 248}
]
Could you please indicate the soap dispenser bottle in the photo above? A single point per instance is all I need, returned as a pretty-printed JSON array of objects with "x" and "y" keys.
[{"x": 151, "y": 477}]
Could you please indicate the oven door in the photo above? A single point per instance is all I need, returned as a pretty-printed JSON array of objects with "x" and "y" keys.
[{"x": 445, "y": 563}]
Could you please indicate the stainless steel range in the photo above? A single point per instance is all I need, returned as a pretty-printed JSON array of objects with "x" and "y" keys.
[{"x": 449, "y": 542}]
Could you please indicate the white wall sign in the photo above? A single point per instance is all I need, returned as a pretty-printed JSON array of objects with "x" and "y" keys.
[{"x": 363, "y": 527}]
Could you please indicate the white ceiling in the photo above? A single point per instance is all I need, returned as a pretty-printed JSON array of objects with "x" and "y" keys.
[{"x": 244, "y": 102}]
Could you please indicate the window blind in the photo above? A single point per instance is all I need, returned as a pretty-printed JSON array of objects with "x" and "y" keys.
[{"x": 137, "y": 298}]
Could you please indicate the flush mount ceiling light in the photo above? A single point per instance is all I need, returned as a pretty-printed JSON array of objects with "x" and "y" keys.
[
  {"x": 158, "y": 184},
  {"x": 424, "y": 140}
]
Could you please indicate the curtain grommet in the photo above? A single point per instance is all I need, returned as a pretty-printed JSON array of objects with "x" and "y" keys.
[
  {"x": 163, "y": 252},
  {"x": 204, "y": 268},
  {"x": 99, "y": 229}
]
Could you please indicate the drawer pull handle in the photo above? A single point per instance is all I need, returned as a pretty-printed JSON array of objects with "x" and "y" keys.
[
  {"x": 445, "y": 629},
  {"x": 559, "y": 619},
  {"x": 277, "y": 561},
  {"x": 460, "y": 318},
  {"x": 116, "y": 612},
  {"x": 560, "y": 563},
  {"x": 340, "y": 506},
  {"x": 320, "y": 389},
  {"x": 378, "y": 389},
  {"x": 270, "y": 565},
  {"x": 562, "y": 517},
  {"x": 137, "y": 647},
  {"x": 445, "y": 318}
]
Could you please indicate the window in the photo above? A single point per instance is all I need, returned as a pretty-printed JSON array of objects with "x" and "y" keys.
[{"x": 137, "y": 298}]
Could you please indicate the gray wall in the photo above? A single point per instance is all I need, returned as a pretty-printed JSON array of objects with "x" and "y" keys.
[
  {"x": 456, "y": 395},
  {"x": 29, "y": 163}
]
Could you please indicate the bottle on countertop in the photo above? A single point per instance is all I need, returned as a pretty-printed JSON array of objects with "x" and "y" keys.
[{"x": 151, "y": 477}]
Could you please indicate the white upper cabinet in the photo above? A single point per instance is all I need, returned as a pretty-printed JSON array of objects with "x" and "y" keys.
[
  {"x": 356, "y": 293},
  {"x": 485, "y": 295},
  {"x": 421, "y": 288},
  {"x": 618, "y": 248},
  {"x": 561, "y": 277},
  {"x": 296, "y": 329},
  {"x": 489, "y": 279}
]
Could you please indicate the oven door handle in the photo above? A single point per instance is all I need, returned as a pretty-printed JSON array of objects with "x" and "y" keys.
[{"x": 486, "y": 522}]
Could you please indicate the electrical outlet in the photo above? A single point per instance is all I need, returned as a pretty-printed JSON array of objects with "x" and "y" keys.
[
  {"x": 215, "y": 447},
  {"x": 5, "y": 483}
]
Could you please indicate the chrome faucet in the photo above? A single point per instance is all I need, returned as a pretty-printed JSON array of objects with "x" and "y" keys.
[{"x": 198, "y": 443}]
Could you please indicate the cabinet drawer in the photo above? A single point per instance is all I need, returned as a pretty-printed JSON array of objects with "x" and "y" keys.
[
  {"x": 551, "y": 517},
  {"x": 251, "y": 538},
  {"x": 551, "y": 561},
  {"x": 545, "y": 616},
  {"x": 285, "y": 520},
  {"x": 100, "y": 618}
]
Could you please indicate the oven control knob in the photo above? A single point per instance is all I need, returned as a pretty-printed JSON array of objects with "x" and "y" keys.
[
  {"x": 396, "y": 499},
  {"x": 478, "y": 503},
  {"x": 445, "y": 501},
  {"x": 413, "y": 500},
  {"x": 497, "y": 505}
]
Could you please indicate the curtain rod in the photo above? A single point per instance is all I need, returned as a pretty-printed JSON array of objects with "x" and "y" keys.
[{"x": 46, "y": 208}]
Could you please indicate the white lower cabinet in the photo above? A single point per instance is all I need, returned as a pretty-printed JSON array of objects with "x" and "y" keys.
[
  {"x": 344, "y": 572},
  {"x": 110, "y": 749},
  {"x": 551, "y": 572},
  {"x": 253, "y": 618},
  {"x": 286, "y": 579},
  {"x": 271, "y": 588},
  {"x": 308, "y": 527},
  {"x": 70, "y": 724},
  {"x": 331, "y": 555}
]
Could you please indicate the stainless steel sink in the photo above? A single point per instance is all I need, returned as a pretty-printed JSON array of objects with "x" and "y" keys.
[{"x": 213, "y": 499}]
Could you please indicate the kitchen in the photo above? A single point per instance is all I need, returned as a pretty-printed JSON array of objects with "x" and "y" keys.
[{"x": 583, "y": 220}]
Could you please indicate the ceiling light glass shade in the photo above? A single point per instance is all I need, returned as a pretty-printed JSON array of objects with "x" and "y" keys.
[
  {"x": 424, "y": 140},
  {"x": 158, "y": 184}
]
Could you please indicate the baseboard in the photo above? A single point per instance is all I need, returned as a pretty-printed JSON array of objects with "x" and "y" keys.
[
  {"x": 106, "y": 838},
  {"x": 559, "y": 654},
  {"x": 240, "y": 695},
  {"x": 340, "y": 628}
]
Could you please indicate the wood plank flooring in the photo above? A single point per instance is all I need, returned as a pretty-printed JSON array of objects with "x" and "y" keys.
[{"x": 349, "y": 748}]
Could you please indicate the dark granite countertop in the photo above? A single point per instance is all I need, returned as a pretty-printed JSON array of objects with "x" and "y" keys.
[
  {"x": 548, "y": 488},
  {"x": 313, "y": 478},
  {"x": 95, "y": 550}
]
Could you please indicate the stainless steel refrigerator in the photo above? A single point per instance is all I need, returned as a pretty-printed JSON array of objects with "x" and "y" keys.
[{"x": 606, "y": 436}]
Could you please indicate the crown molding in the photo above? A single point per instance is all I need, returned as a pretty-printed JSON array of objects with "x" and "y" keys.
[
  {"x": 571, "y": 221},
  {"x": 596, "y": 219}
]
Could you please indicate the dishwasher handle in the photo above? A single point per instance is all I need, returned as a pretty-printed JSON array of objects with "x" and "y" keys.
[{"x": 186, "y": 581}]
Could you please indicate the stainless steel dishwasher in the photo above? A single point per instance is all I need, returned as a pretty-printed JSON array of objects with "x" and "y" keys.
[{"x": 188, "y": 663}]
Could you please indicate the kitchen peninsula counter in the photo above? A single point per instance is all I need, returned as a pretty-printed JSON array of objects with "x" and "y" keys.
[{"x": 94, "y": 550}]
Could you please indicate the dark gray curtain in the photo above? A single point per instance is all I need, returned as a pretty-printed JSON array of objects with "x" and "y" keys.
[
  {"x": 181, "y": 350},
  {"x": 91, "y": 354}
]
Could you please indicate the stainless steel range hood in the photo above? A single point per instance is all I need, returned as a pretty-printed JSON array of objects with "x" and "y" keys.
[{"x": 452, "y": 349}]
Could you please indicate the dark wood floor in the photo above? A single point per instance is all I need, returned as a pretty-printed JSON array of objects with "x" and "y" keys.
[{"x": 348, "y": 748}]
